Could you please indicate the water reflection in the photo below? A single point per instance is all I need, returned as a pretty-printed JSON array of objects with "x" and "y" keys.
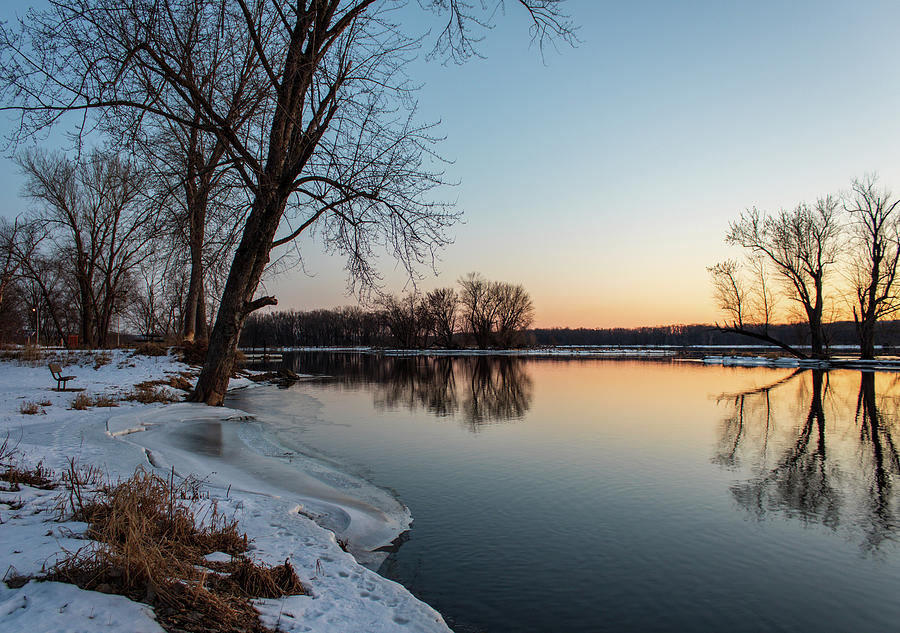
[
  {"x": 477, "y": 390},
  {"x": 817, "y": 446}
]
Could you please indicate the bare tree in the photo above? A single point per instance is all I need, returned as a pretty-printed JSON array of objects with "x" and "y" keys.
[
  {"x": 48, "y": 280},
  {"x": 10, "y": 262},
  {"x": 873, "y": 269},
  {"x": 748, "y": 305},
  {"x": 408, "y": 319},
  {"x": 478, "y": 307},
  {"x": 514, "y": 313},
  {"x": 94, "y": 213},
  {"x": 332, "y": 148},
  {"x": 801, "y": 246},
  {"x": 494, "y": 311},
  {"x": 443, "y": 308}
]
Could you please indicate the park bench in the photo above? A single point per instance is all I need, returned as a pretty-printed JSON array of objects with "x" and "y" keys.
[{"x": 56, "y": 370}]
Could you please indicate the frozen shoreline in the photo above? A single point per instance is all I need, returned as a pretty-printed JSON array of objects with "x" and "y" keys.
[
  {"x": 804, "y": 363},
  {"x": 274, "y": 497}
]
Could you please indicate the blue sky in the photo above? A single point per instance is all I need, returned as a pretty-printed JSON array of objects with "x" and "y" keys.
[{"x": 603, "y": 177}]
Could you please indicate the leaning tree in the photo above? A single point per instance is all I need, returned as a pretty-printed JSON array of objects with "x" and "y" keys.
[
  {"x": 337, "y": 149},
  {"x": 801, "y": 247}
]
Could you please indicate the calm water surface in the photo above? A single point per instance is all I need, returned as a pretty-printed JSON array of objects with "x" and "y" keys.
[{"x": 591, "y": 495}]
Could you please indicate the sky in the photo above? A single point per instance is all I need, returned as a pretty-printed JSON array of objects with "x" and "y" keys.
[{"x": 603, "y": 177}]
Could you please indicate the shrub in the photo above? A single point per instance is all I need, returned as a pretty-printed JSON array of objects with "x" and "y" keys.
[
  {"x": 105, "y": 401},
  {"x": 149, "y": 392},
  {"x": 151, "y": 349},
  {"x": 194, "y": 353},
  {"x": 30, "y": 408},
  {"x": 81, "y": 402}
]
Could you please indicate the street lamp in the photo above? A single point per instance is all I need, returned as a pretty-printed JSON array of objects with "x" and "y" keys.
[{"x": 37, "y": 325}]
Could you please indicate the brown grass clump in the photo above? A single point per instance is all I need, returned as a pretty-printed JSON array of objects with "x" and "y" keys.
[
  {"x": 84, "y": 401},
  {"x": 101, "y": 359},
  {"x": 151, "y": 349},
  {"x": 194, "y": 353},
  {"x": 180, "y": 382},
  {"x": 261, "y": 581},
  {"x": 105, "y": 401},
  {"x": 149, "y": 391},
  {"x": 81, "y": 402},
  {"x": 153, "y": 550},
  {"x": 37, "y": 477},
  {"x": 30, "y": 408}
]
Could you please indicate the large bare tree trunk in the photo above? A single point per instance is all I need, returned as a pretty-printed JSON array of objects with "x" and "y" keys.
[
  {"x": 194, "y": 297},
  {"x": 237, "y": 303},
  {"x": 88, "y": 321},
  {"x": 865, "y": 330},
  {"x": 202, "y": 331},
  {"x": 197, "y": 198},
  {"x": 816, "y": 329}
]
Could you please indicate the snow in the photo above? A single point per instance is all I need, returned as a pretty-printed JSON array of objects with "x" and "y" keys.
[
  {"x": 291, "y": 506},
  {"x": 567, "y": 351},
  {"x": 881, "y": 364}
]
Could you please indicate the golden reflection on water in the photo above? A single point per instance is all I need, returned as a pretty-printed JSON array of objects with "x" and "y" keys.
[{"x": 819, "y": 447}]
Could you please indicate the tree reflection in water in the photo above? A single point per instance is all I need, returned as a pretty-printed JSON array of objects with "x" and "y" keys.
[
  {"x": 477, "y": 390},
  {"x": 817, "y": 446}
]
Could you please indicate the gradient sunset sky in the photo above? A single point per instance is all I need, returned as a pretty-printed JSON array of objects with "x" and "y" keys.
[{"x": 603, "y": 177}]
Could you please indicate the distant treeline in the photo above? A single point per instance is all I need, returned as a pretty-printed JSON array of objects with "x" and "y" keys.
[
  {"x": 838, "y": 333},
  {"x": 482, "y": 313},
  {"x": 353, "y": 326}
]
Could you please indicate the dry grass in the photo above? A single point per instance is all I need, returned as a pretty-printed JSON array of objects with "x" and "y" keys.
[
  {"x": 7, "y": 450},
  {"x": 181, "y": 382},
  {"x": 194, "y": 353},
  {"x": 149, "y": 391},
  {"x": 105, "y": 401},
  {"x": 81, "y": 402},
  {"x": 30, "y": 408},
  {"x": 16, "y": 474},
  {"x": 84, "y": 401},
  {"x": 101, "y": 359},
  {"x": 151, "y": 349},
  {"x": 153, "y": 550}
]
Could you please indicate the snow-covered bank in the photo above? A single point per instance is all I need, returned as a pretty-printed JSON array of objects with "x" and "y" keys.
[
  {"x": 886, "y": 364},
  {"x": 275, "y": 499},
  {"x": 569, "y": 351}
]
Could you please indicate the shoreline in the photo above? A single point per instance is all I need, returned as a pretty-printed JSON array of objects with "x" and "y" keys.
[{"x": 344, "y": 594}]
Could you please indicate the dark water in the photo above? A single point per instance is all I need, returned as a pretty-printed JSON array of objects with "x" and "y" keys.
[{"x": 590, "y": 495}]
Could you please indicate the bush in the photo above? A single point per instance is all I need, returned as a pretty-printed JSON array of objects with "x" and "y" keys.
[
  {"x": 30, "y": 408},
  {"x": 151, "y": 349},
  {"x": 194, "y": 353},
  {"x": 149, "y": 392},
  {"x": 81, "y": 402}
]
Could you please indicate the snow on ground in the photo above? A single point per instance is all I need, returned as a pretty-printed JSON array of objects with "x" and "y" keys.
[
  {"x": 612, "y": 351},
  {"x": 881, "y": 364},
  {"x": 274, "y": 501}
]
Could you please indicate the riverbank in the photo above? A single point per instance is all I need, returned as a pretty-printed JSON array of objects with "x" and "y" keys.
[
  {"x": 878, "y": 364},
  {"x": 280, "y": 501}
]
